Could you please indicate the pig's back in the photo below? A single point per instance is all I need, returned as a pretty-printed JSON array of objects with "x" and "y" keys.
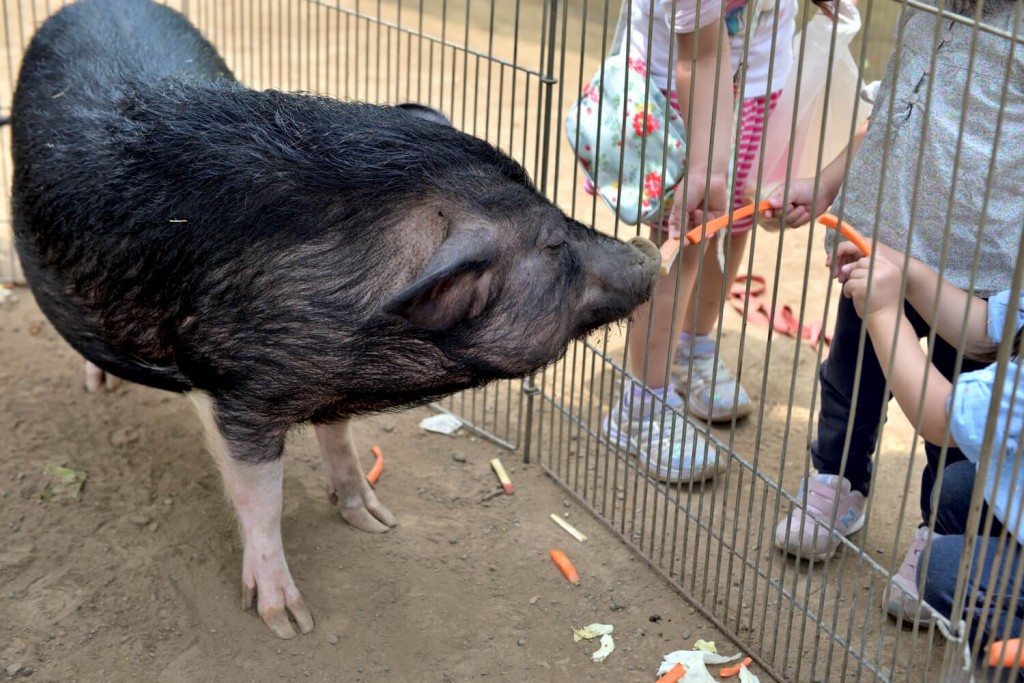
[
  {"x": 68, "y": 134},
  {"x": 99, "y": 44},
  {"x": 85, "y": 62}
]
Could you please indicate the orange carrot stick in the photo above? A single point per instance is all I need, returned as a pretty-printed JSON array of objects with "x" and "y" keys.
[
  {"x": 378, "y": 466},
  {"x": 735, "y": 670},
  {"x": 713, "y": 226},
  {"x": 565, "y": 566},
  {"x": 673, "y": 675},
  {"x": 670, "y": 247},
  {"x": 1005, "y": 653},
  {"x": 846, "y": 230}
]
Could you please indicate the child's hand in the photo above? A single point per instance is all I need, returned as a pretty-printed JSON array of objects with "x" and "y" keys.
[
  {"x": 845, "y": 254},
  {"x": 886, "y": 280},
  {"x": 799, "y": 210},
  {"x": 694, "y": 204}
]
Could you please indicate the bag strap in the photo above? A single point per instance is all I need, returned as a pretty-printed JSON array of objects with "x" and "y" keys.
[{"x": 620, "y": 29}]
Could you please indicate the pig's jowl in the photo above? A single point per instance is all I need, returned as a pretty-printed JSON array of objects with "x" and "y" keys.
[{"x": 283, "y": 258}]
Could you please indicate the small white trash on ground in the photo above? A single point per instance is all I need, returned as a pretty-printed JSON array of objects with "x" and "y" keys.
[{"x": 442, "y": 423}]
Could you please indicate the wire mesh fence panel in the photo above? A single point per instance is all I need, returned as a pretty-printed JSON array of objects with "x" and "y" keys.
[
  {"x": 716, "y": 540},
  {"x": 447, "y": 55},
  {"x": 19, "y": 21},
  {"x": 941, "y": 143}
]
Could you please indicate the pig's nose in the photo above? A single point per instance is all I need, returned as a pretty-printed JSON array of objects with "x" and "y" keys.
[
  {"x": 646, "y": 247},
  {"x": 649, "y": 261}
]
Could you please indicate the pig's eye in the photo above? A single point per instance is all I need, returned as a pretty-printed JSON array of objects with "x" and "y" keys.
[{"x": 555, "y": 246}]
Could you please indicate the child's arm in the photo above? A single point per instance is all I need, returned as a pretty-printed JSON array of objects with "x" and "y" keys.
[
  {"x": 923, "y": 286},
  {"x": 890, "y": 330},
  {"x": 799, "y": 209},
  {"x": 707, "y": 154}
]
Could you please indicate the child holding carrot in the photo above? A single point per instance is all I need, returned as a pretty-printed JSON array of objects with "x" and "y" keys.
[
  {"x": 938, "y": 173},
  {"x": 965, "y": 408},
  {"x": 711, "y": 391},
  {"x": 706, "y": 52}
]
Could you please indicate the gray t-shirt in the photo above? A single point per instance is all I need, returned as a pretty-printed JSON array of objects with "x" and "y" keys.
[{"x": 918, "y": 144}]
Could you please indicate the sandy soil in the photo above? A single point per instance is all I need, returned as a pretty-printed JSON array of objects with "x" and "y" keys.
[{"x": 138, "y": 577}]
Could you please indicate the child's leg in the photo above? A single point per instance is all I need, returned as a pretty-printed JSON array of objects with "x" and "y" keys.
[
  {"x": 711, "y": 391},
  {"x": 752, "y": 122},
  {"x": 832, "y": 503},
  {"x": 955, "y": 499},
  {"x": 708, "y": 305},
  {"x": 647, "y": 418},
  {"x": 837, "y": 377},
  {"x": 650, "y": 361},
  {"x": 940, "y": 574},
  {"x": 943, "y": 358},
  {"x": 901, "y": 597},
  {"x": 954, "y": 505},
  {"x": 996, "y": 583}
]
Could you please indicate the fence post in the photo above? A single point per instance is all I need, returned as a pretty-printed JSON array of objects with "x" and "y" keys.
[{"x": 548, "y": 82}]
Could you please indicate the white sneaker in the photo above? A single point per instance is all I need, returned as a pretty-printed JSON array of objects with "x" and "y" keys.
[
  {"x": 728, "y": 399},
  {"x": 659, "y": 436}
]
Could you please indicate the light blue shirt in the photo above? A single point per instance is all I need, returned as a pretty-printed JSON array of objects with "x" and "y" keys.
[{"x": 970, "y": 402}]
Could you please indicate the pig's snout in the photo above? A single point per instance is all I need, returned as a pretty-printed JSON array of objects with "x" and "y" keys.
[
  {"x": 646, "y": 247},
  {"x": 650, "y": 261},
  {"x": 620, "y": 277}
]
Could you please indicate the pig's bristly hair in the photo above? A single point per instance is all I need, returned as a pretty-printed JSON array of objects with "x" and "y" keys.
[
  {"x": 186, "y": 232},
  {"x": 343, "y": 153}
]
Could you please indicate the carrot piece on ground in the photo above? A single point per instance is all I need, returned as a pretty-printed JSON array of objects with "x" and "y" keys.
[
  {"x": 565, "y": 566},
  {"x": 847, "y": 231},
  {"x": 673, "y": 674},
  {"x": 499, "y": 470},
  {"x": 735, "y": 670},
  {"x": 1005, "y": 653},
  {"x": 378, "y": 466}
]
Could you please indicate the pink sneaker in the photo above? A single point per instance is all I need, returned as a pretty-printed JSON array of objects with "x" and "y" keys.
[
  {"x": 809, "y": 532},
  {"x": 902, "y": 597}
]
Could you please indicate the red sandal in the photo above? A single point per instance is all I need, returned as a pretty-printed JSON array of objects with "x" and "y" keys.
[{"x": 783, "y": 321}]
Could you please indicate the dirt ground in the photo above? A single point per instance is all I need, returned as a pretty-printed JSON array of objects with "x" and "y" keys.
[{"x": 138, "y": 577}]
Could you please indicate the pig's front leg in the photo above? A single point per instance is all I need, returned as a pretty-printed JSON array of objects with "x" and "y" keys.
[
  {"x": 345, "y": 483},
  {"x": 95, "y": 378},
  {"x": 256, "y": 492}
]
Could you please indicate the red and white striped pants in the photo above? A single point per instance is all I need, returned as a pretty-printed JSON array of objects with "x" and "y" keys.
[{"x": 753, "y": 119}]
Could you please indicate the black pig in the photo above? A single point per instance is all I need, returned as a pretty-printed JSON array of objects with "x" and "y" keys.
[{"x": 283, "y": 258}]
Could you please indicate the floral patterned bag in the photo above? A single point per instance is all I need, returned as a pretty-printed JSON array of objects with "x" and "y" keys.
[{"x": 621, "y": 122}]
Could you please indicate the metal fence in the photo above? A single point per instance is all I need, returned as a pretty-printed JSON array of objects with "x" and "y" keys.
[{"x": 508, "y": 72}]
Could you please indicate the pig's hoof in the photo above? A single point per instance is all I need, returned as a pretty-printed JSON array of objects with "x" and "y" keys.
[
  {"x": 373, "y": 518},
  {"x": 95, "y": 378},
  {"x": 276, "y": 616}
]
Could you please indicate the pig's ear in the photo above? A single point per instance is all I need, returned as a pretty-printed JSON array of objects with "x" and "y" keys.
[
  {"x": 425, "y": 112},
  {"x": 454, "y": 287}
]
